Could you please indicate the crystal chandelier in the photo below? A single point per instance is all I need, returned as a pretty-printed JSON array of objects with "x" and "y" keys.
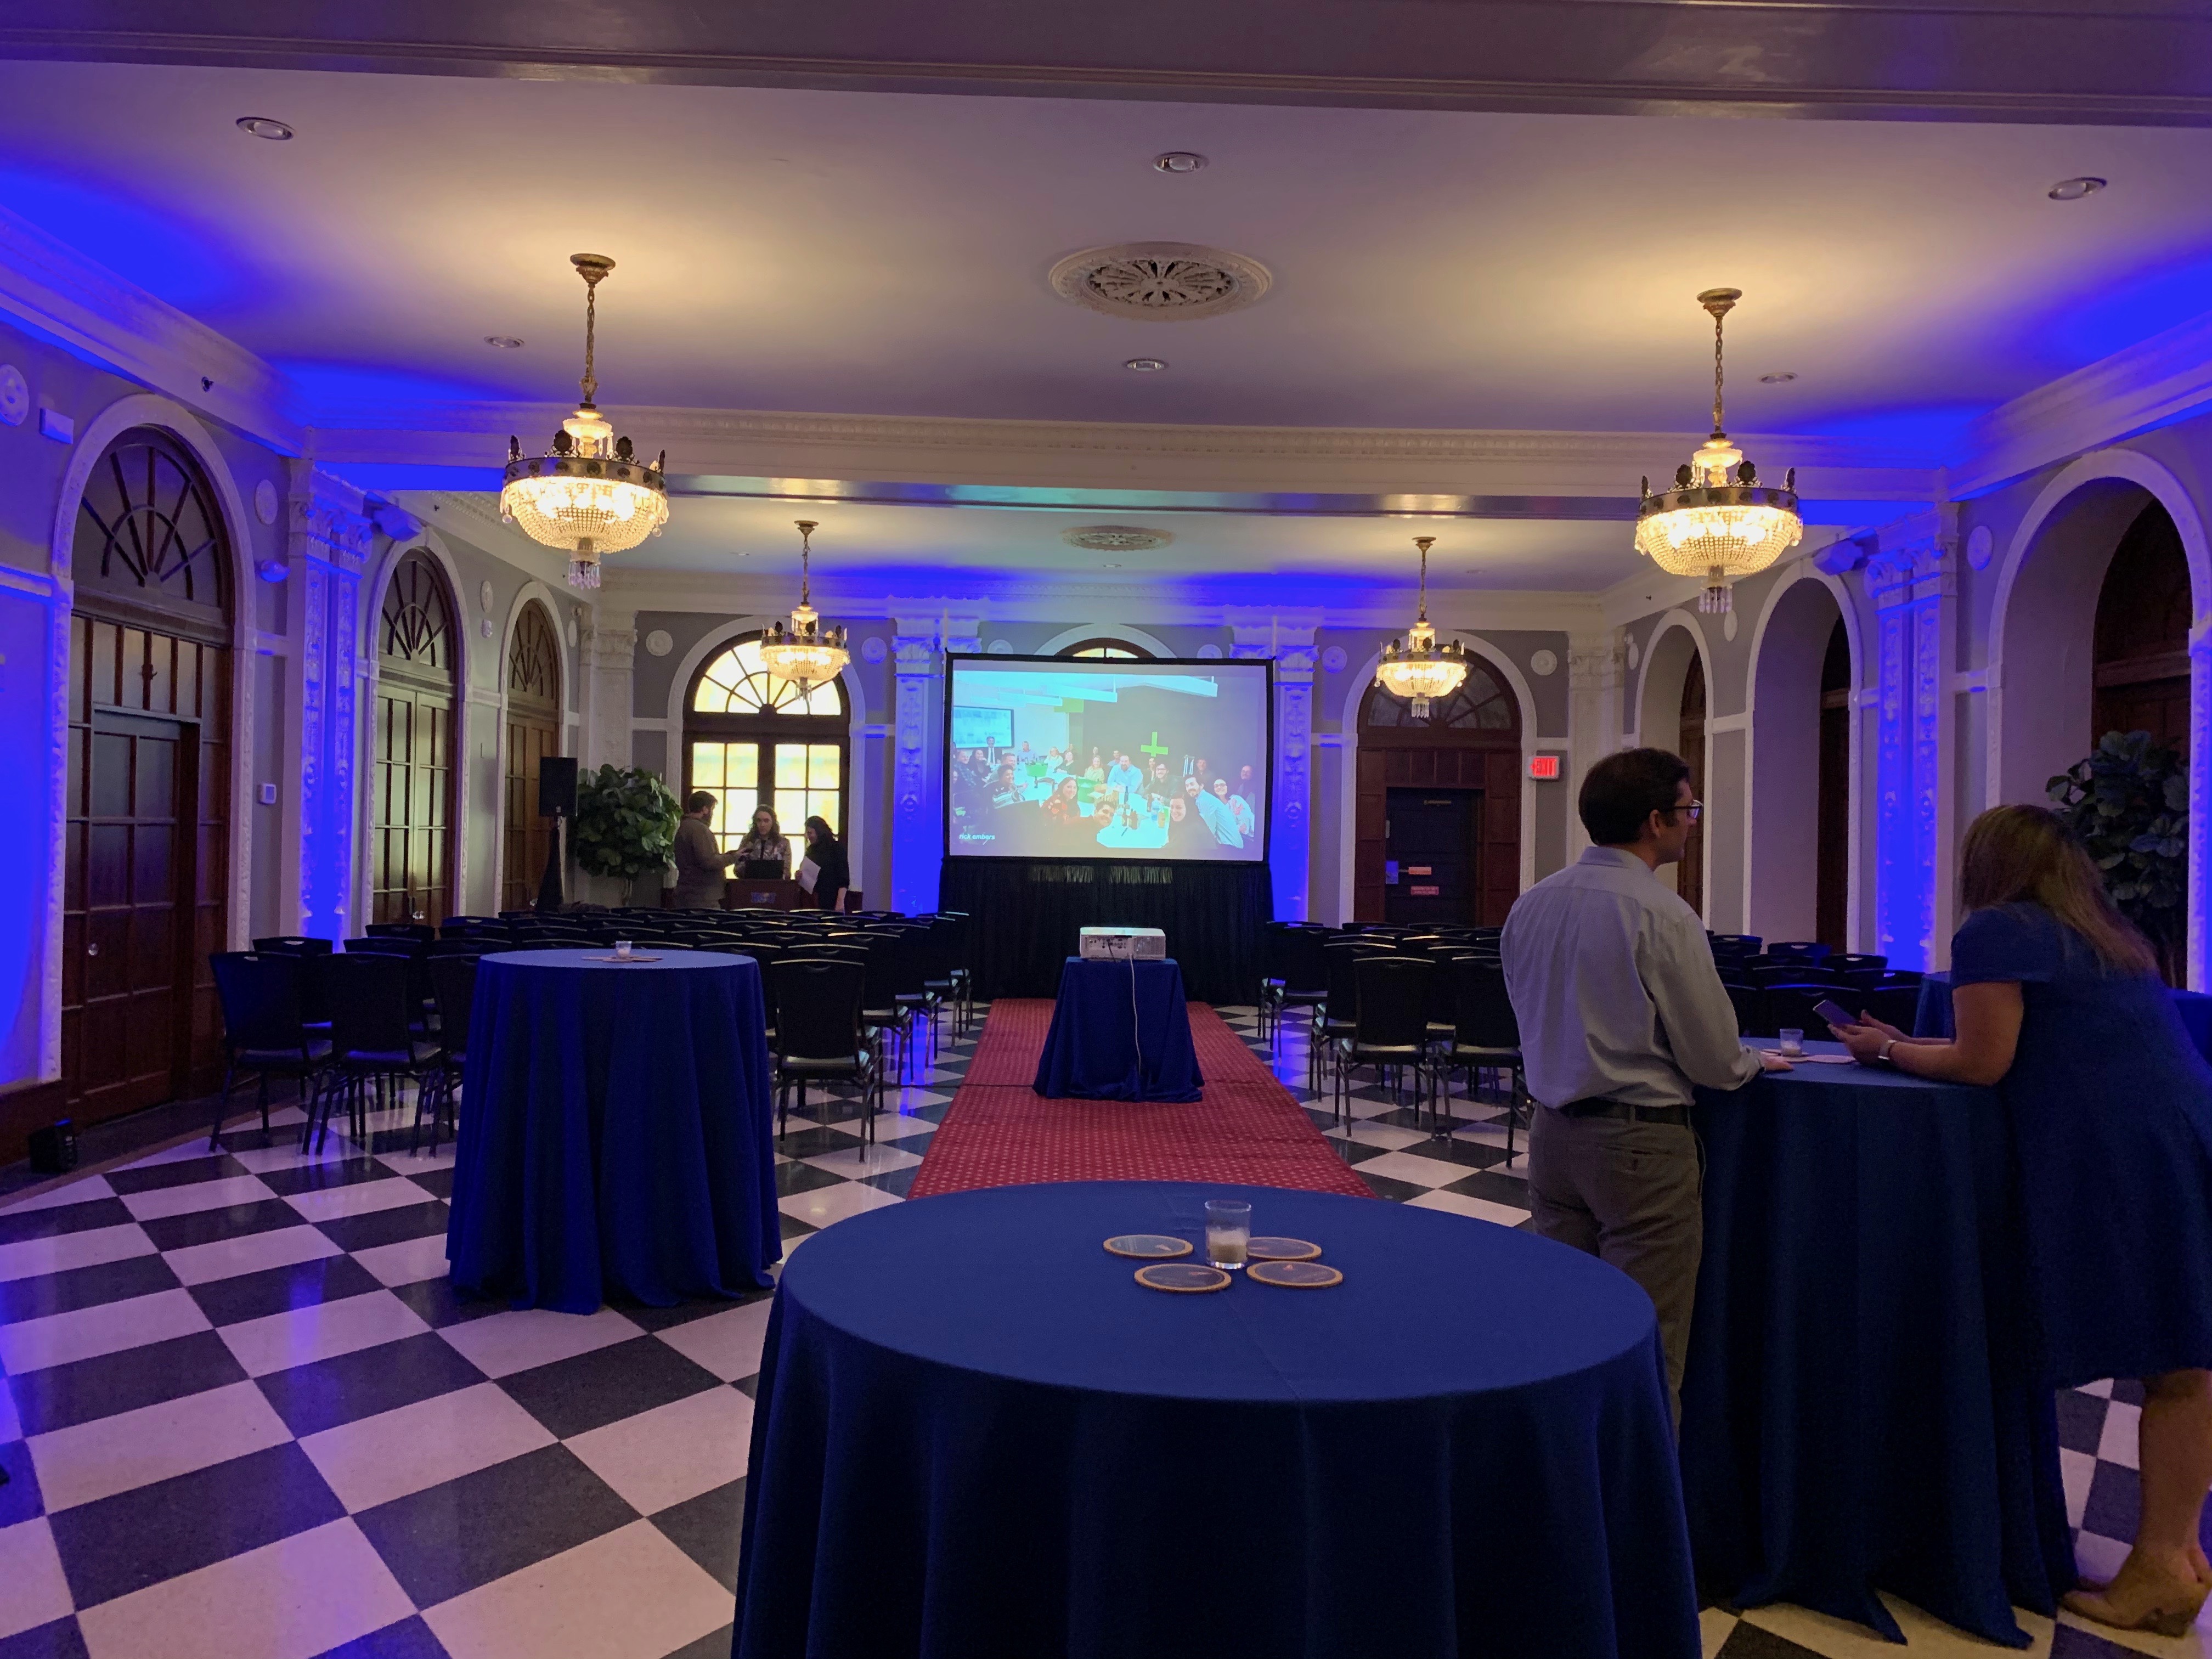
[
  {"x": 802, "y": 650},
  {"x": 1421, "y": 669},
  {"x": 1719, "y": 521},
  {"x": 589, "y": 495}
]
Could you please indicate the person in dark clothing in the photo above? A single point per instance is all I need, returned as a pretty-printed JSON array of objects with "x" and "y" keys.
[{"x": 827, "y": 854}]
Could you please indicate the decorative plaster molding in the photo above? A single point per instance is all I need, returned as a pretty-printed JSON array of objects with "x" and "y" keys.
[
  {"x": 708, "y": 446},
  {"x": 2150, "y": 383},
  {"x": 46, "y": 285}
]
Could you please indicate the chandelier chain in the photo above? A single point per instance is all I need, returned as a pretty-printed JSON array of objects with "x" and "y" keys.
[
  {"x": 591, "y": 384},
  {"x": 1720, "y": 316},
  {"x": 806, "y": 529},
  {"x": 1424, "y": 543}
]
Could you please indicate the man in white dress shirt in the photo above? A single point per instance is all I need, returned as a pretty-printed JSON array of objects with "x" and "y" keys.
[{"x": 1621, "y": 1012}]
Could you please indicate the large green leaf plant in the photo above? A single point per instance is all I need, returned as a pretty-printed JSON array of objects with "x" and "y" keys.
[
  {"x": 625, "y": 822},
  {"x": 2129, "y": 802}
]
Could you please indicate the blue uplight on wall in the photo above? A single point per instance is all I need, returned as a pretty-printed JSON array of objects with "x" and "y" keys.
[{"x": 188, "y": 265}]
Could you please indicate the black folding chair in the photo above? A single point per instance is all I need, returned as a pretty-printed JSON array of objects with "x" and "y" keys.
[
  {"x": 373, "y": 1038},
  {"x": 819, "y": 1036},
  {"x": 454, "y": 988},
  {"x": 1390, "y": 1026},
  {"x": 1485, "y": 1037},
  {"x": 1338, "y": 1012},
  {"x": 414, "y": 930},
  {"x": 264, "y": 1030},
  {"x": 1791, "y": 1007}
]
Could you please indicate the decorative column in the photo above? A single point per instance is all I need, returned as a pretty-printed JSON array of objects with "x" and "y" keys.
[
  {"x": 1912, "y": 579},
  {"x": 1597, "y": 675},
  {"x": 330, "y": 540},
  {"x": 1290, "y": 642},
  {"x": 918, "y": 648},
  {"x": 607, "y": 661}
]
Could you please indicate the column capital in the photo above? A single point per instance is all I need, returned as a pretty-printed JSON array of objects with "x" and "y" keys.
[{"x": 326, "y": 520}]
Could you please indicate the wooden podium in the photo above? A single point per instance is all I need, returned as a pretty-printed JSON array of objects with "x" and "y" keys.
[{"x": 769, "y": 894}]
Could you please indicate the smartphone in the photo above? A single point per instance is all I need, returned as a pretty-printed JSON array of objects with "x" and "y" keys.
[{"x": 1834, "y": 1012}]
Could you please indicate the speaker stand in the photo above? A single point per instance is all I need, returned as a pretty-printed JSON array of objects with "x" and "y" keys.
[{"x": 549, "y": 897}]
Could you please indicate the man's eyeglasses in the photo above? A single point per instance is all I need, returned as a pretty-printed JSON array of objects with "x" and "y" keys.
[{"x": 1695, "y": 808}]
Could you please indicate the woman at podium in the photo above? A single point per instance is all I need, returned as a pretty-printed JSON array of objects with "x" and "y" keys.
[{"x": 764, "y": 854}]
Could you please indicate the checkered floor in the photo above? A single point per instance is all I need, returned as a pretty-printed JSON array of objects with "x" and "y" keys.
[{"x": 246, "y": 1417}]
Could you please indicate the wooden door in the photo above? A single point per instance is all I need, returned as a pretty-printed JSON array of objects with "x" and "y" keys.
[
  {"x": 1832, "y": 854},
  {"x": 1690, "y": 873},
  {"x": 533, "y": 732},
  {"x": 1472, "y": 741},
  {"x": 411, "y": 824},
  {"x": 2142, "y": 670},
  {"x": 146, "y": 860}
]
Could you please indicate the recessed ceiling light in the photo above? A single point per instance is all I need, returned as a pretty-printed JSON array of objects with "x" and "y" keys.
[
  {"x": 2072, "y": 190},
  {"x": 1781, "y": 378},
  {"x": 1146, "y": 365},
  {"x": 504, "y": 342},
  {"x": 262, "y": 126},
  {"x": 1179, "y": 160}
]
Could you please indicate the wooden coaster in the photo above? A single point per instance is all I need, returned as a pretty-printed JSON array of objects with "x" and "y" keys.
[
  {"x": 1281, "y": 1250},
  {"x": 1190, "y": 1277},
  {"x": 625, "y": 961},
  {"x": 1294, "y": 1275},
  {"x": 1153, "y": 1246}
]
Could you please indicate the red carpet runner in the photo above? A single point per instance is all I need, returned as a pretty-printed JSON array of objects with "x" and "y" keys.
[{"x": 1246, "y": 1127}]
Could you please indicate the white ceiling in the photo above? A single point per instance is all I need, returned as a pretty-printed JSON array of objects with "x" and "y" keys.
[
  {"x": 879, "y": 253},
  {"x": 885, "y": 253}
]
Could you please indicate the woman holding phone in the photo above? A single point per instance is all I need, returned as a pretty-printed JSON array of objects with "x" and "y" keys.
[{"x": 2057, "y": 1004}]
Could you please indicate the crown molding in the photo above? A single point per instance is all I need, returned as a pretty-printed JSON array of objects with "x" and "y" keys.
[
  {"x": 797, "y": 451},
  {"x": 48, "y": 287},
  {"x": 1217, "y": 603},
  {"x": 2150, "y": 383}
]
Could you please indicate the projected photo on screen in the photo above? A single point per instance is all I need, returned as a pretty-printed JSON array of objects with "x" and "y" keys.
[{"x": 1054, "y": 758}]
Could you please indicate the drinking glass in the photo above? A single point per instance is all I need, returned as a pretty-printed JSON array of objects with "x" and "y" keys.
[
  {"x": 621, "y": 950},
  {"x": 1793, "y": 1041},
  {"x": 1227, "y": 1231}
]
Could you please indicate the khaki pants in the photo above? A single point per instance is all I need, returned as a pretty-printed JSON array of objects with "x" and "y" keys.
[{"x": 1629, "y": 1194}]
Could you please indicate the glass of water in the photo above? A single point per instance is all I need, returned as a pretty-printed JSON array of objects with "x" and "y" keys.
[
  {"x": 621, "y": 950},
  {"x": 1227, "y": 1231},
  {"x": 1793, "y": 1041}
]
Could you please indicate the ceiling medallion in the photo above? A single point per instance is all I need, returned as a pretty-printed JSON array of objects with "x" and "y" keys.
[
  {"x": 1160, "y": 281},
  {"x": 802, "y": 650},
  {"x": 1116, "y": 539},
  {"x": 589, "y": 495},
  {"x": 1719, "y": 521},
  {"x": 1421, "y": 669}
]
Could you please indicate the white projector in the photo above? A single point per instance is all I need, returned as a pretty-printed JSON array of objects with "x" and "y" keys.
[{"x": 1121, "y": 944}]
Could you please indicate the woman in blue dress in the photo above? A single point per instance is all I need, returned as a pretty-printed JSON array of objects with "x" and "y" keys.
[{"x": 2057, "y": 1003}]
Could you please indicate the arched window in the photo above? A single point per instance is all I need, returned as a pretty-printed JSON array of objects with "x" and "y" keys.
[
  {"x": 2142, "y": 672},
  {"x": 533, "y": 732},
  {"x": 750, "y": 740},
  {"x": 1104, "y": 646},
  {"x": 148, "y": 849},
  {"x": 411, "y": 811},
  {"x": 1438, "y": 808}
]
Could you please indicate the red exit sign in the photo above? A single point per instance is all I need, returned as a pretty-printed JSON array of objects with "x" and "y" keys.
[{"x": 1544, "y": 766}]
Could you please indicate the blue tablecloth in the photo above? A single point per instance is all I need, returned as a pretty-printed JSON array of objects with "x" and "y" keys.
[
  {"x": 1088, "y": 1052},
  {"x": 1933, "y": 1017},
  {"x": 975, "y": 1435},
  {"x": 617, "y": 1132},
  {"x": 1860, "y": 1410}
]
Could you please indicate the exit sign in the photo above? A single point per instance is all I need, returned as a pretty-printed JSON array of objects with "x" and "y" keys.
[{"x": 1543, "y": 766}]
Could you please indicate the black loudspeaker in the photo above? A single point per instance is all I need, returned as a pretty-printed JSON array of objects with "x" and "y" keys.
[
  {"x": 556, "y": 787},
  {"x": 54, "y": 1148}
]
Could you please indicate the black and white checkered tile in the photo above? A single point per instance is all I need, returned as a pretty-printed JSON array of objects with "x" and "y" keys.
[{"x": 246, "y": 1417}]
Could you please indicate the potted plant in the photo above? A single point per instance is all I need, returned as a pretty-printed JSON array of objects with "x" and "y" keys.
[
  {"x": 2129, "y": 802},
  {"x": 625, "y": 825}
]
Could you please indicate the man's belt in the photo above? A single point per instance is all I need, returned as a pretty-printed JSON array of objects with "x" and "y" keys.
[{"x": 1597, "y": 1106}]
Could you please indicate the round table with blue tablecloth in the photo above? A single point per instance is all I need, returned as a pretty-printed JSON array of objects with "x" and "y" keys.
[
  {"x": 618, "y": 1131},
  {"x": 1861, "y": 1408},
  {"x": 1933, "y": 1017},
  {"x": 975, "y": 1433}
]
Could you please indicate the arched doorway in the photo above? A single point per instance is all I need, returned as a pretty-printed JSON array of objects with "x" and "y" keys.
[
  {"x": 1832, "y": 883},
  {"x": 1104, "y": 646},
  {"x": 751, "y": 740},
  {"x": 412, "y": 814},
  {"x": 1799, "y": 824},
  {"x": 149, "y": 775},
  {"x": 533, "y": 732},
  {"x": 2141, "y": 672},
  {"x": 1690, "y": 744},
  {"x": 1437, "y": 807}
]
